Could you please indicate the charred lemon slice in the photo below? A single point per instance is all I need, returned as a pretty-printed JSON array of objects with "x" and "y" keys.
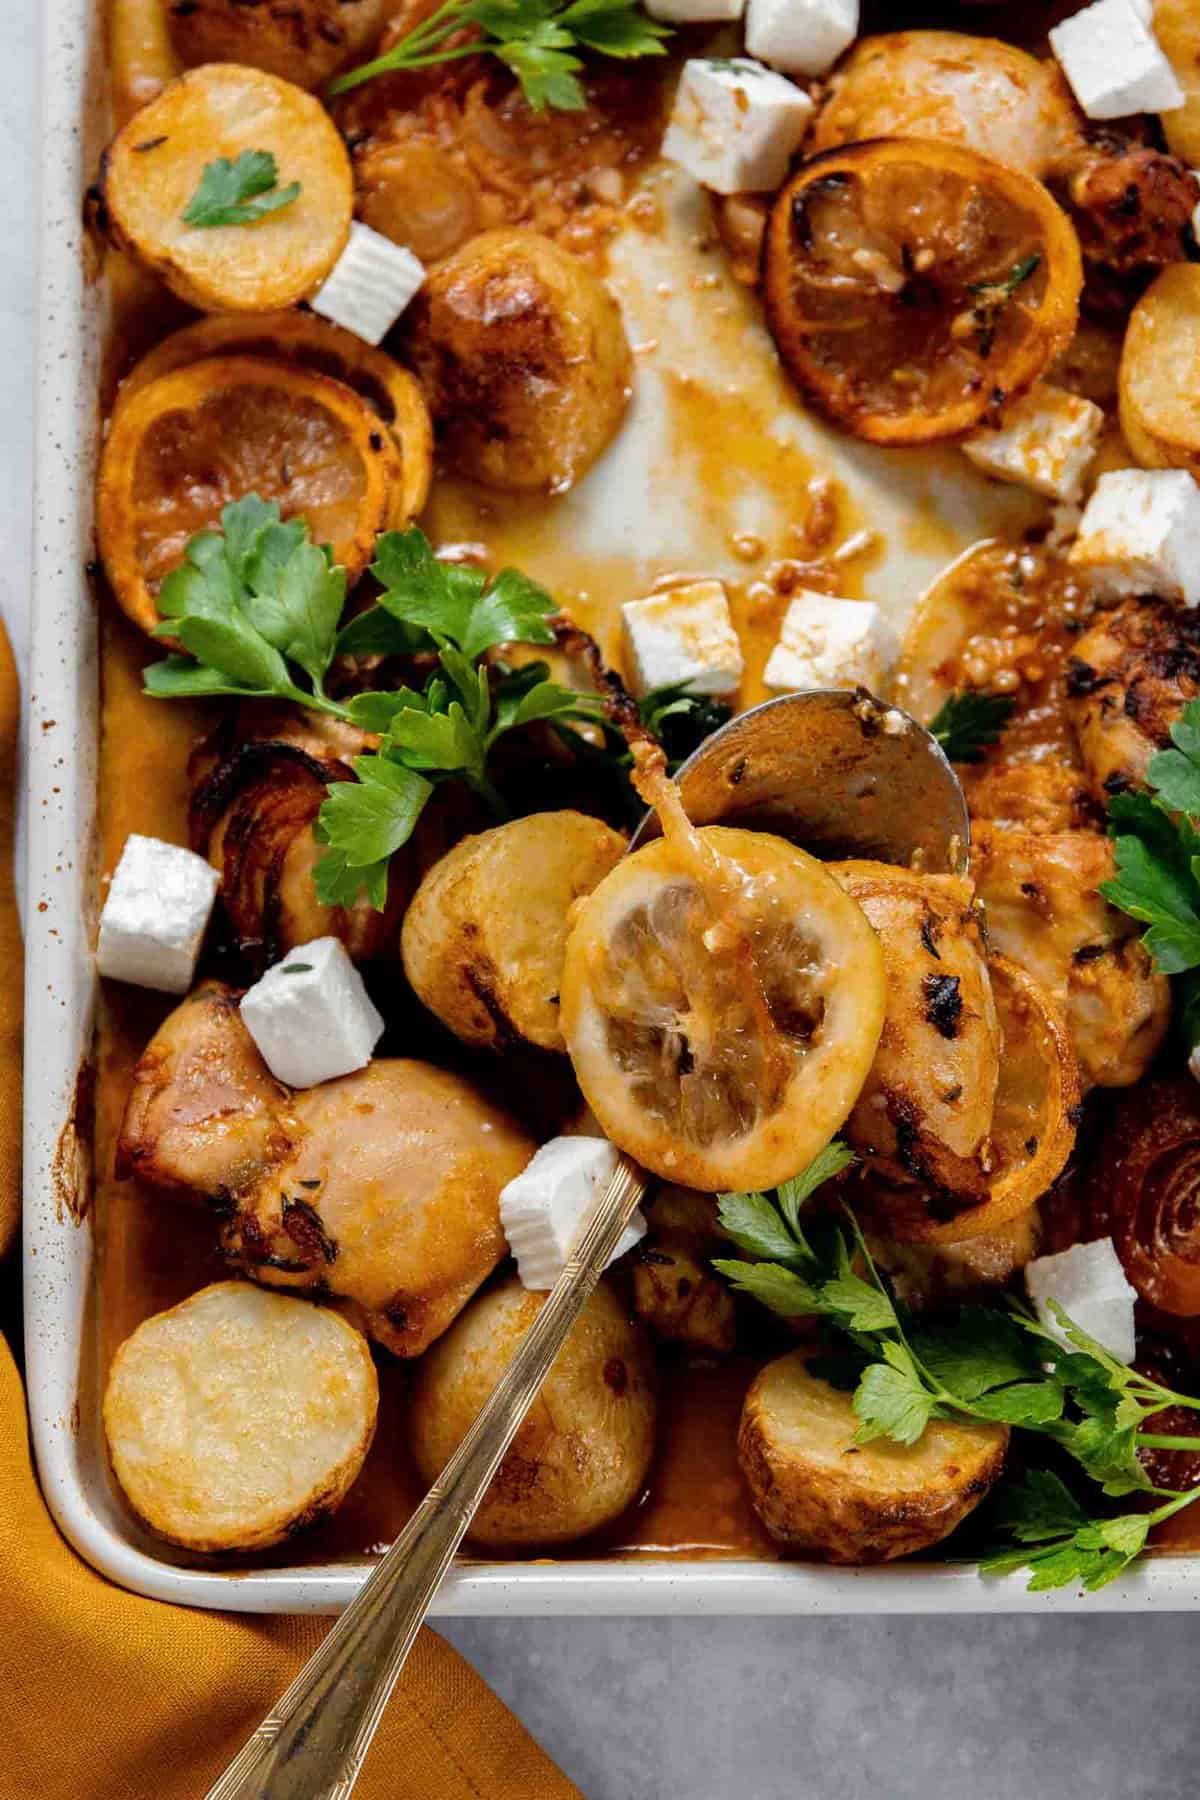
[
  {"x": 190, "y": 442},
  {"x": 911, "y": 285},
  {"x": 1033, "y": 1122},
  {"x": 721, "y": 1036},
  {"x": 1160, "y": 366},
  {"x": 312, "y": 343},
  {"x": 153, "y": 168}
]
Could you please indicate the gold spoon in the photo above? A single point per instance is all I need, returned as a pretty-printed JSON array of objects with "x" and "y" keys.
[{"x": 844, "y": 775}]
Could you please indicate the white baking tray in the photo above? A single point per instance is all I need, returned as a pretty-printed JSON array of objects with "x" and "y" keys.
[{"x": 60, "y": 1235}]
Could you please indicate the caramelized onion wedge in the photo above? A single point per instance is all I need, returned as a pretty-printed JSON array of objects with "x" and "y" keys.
[
  {"x": 1150, "y": 1196},
  {"x": 154, "y": 166},
  {"x": 1160, "y": 372},
  {"x": 313, "y": 343},
  {"x": 910, "y": 286},
  {"x": 818, "y": 1491},
  {"x": 722, "y": 1042},
  {"x": 191, "y": 441},
  {"x": 239, "y": 1417},
  {"x": 1033, "y": 1123}
]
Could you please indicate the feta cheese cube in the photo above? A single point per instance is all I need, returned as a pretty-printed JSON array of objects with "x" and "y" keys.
[
  {"x": 153, "y": 922},
  {"x": 1046, "y": 440},
  {"x": 735, "y": 125},
  {"x": 829, "y": 643},
  {"x": 369, "y": 285},
  {"x": 802, "y": 37},
  {"x": 695, "y": 12},
  {"x": 1111, "y": 57},
  {"x": 1089, "y": 1284},
  {"x": 545, "y": 1207},
  {"x": 311, "y": 1015},
  {"x": 1140, "y": 534},
  {"x": 683, "y": 634}
]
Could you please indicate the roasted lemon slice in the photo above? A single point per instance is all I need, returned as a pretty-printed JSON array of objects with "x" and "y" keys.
[
  {"x": 302, "y": 338},
  {"x": 721, "y": 1022},
  {"x": 154, "y": 166},
  {"x": 192, "y": 441},
  {"x": 911, "y": 285},
  {"x": 1160, "y": 367}
]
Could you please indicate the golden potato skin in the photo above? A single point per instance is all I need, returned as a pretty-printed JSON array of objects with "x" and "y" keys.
[
  {"x": 925, "y": 1113},
  {"x": 390, "y": 1202},
  {"x": 885, "y": 1500},
  {"x": 485, "y": 934},
  {"x": 524, "y": 361},
  {"x": 582, "y": 1453},
  {"x": 305, "y": 41},
  {"x": 238, "y": 1418}
]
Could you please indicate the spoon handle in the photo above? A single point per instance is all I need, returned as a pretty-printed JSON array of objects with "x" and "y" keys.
[{"x": 312, "y": 1745}]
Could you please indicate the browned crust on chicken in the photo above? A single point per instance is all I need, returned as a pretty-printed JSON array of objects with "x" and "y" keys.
[
  {"x": 1129, "y": 679},
  {"x": 305, "y": 41}
]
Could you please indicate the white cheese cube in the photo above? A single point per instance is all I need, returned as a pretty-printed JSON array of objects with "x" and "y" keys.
[
  {"x": 1140, "y": 534},
  {"x": 369, "y": 285},
  {"x": 830, "y": 643},
  {"x": 695, "y": 12},
  {"x": 683, "y": 634},
  {"x": 1088, "y": 1282},
  {"x": 1046, "y": 440},
  {"x": 311, "y": 1015},
  {"x": 802, "y": 37},
  {"x": 153, "y": 922},
  {"x": 735, "y": 125},
  {"x": 1111, "y": 57},
  {"x": 545, "y": 1207}
]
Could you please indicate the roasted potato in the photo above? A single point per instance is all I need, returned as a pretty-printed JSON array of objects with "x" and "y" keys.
[
  {"x": 819, "y": 1492},
  {"x": 524, "y": 361},
  {"x": 1160, "y": 367},
  {"x": 389, "y": 1202},
  {"x": 583, "y": 1451},
  {"x": 1177, "y": 28},
  {"x": 304, "y": 41},
  {"x": 154, "y": 165},
  {"x": 925, "y": 1113},
  {"x": 1045, "y": 911},
  {"x": 486, "y": 932},
  {"x": 239, "y": 1417}
]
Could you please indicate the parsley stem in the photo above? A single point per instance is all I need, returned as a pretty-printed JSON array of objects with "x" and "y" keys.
[
  {"x": 439, "y": 25},
  {"x": 1151, "y": 1440},
  {"x": 318, "y": 703},
  {"x": 487, "y": 791}
]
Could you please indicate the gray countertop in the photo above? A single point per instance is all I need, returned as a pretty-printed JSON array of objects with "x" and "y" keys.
[{"x": 736, "y": 1709}]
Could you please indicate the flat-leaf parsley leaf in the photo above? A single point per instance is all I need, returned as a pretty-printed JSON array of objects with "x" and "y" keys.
[{"x": 239, "y": 192}]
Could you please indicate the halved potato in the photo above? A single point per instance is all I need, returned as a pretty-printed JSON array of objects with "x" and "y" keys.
[
  {"x": 313, "y": 343},
  {"x": 583, "y": 1452},
  {"x": 1160, "y": 372},
  {"x": 239, "y": 1417},
  {"x": 1177, "y": 28},
  {"x": 305, "y": 41},
  {"x": 524, "y": 361},
  {"x": 721, "y": 1030},
  {"x": 486, "y": 932},
  {"x": 190, "y": 442},
  {"x": 913, "y": 286},
  {"x": 818, "y": 1491},
  {"x": 154, "y": 166}
]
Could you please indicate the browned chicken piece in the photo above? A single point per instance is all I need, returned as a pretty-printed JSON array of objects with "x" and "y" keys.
[
  {"x": 674, "y": 1288},
  {"x": 305, "y": 41},
  {"x": 390, "y": 1201},
  {"x": 443, "y": 155},
  {"x": 741, "y": 222},
  {"x": 1132, "y": 206},
  {"x": 204, "y": 1113},
  {"x": 524, "y": 361},
  {"x": 380, "y": 1189},
  {"x": 1129, "y": 678},
  {"x": 925, "y": 1114},
  {"x": 926, "y": 1275},
  {"x": 1034, "y": 796},
  {"x": 1044, "y": 911}
]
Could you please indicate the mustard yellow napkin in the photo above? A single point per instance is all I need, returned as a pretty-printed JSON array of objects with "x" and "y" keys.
[{"x": 106, "y": 1696}]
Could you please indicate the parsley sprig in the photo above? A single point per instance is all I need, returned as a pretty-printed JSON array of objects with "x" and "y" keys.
[
  {"x": 256, "y": 607},
  {"x": 986, "y": 1364},
  {"x": 1157, "y": 850},
  {"x": 968, "y": 723},
  {"x": 539, "y": 40},
  {"x": 238, "y": 193}
]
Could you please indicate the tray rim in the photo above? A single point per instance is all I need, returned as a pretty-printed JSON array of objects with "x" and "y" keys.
[{"x": 60, "y": 797}]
